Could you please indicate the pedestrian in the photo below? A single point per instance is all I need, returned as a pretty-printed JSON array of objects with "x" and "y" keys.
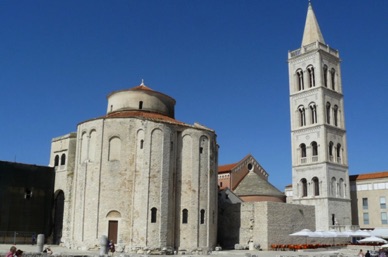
[
  {"x": 11, "y": 252},
  {"x": 112, "y": 247},
  {"x": 18, "y": 253},
  {"x": 33, "y": 239},
  {"x": 367, "y": 253},
  {"x": 360, "y": 253}
]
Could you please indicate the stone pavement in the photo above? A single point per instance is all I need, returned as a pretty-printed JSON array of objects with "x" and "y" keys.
[{"x": 31, "y": 250}]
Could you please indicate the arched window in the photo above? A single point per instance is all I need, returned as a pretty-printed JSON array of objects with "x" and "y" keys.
[
  {"x": 314, "y": 147},
  {"x": 303, "y": 183},
  {"x": 331, "y": 145},
  {"x": 299, "y": 74},
  {"x": 313, "y": 109},
  {"x": 302, "y": 116},
  {"x": 310, "y": 71},
  {"x": 56, "y": 160},
  {"x": 141, "y": 144},
  {"x": 316, "y": 185},
  {"x": 114, "y": 149},
  {"x": 332, "y": 74},
  {"x": 328, "y": 110},
  {"x": 341, "y": 187},
  {"x": 335, "y": 112},
  {"x": 325, "y": 75},
  {"x": 153, "y": 214},
  {"x": 333, "y": 186},
  {"x": 185, "y": 214},
  {"x": 140, "y": 105},
  {"x": 303, "y": 153},
  {"x": 339, "y": 153},
  {"x": 202, "y": 216},
  {"x": 63, "y": 159}
]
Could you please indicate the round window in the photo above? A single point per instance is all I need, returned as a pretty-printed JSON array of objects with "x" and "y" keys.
[{"x": 250, "y": 166}]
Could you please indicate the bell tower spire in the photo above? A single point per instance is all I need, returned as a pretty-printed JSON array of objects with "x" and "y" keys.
[{"x": 311, "y": 33}]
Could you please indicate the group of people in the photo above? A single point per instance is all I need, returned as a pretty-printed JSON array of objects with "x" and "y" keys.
[{"x": 13, "y": 252}]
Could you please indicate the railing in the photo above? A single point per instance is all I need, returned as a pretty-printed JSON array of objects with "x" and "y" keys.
[
  {"x": 314, "y": 158},
  {"x": 17, "y": 237},
  {"x": 303, "y": 160},
  {"x": 339, "y": 159},
  {"x": 313, "y": 46}
]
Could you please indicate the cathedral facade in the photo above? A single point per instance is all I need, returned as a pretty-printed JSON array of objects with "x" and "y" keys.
[{"x": 138, "y": 176}]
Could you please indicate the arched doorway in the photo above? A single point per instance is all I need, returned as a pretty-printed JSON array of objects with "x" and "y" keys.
[{"x": 59, "y": 202}]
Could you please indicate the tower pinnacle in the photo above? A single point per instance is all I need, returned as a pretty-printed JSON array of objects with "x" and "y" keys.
[{"x": 311, "y": 33}]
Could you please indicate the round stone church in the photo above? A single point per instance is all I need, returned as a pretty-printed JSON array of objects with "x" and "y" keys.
[{"x": 137, "y": 175}]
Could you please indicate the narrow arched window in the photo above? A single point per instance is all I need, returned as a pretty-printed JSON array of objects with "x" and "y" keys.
[
  {"x": 141, "y": 144},
  {"x": 303, "y": 153},
  {"x": 185, "y": 214},
  {"x": 314, "y": 147},
  {"x": 341, "y": 187},
  {"x": 140, "y": 105},
  {"x": 325, "y": 75},
  {"x": 335, "y": 112},
  {"x": 310, "y": 71},
  {"x": 331, "y": 145},
  {"x": 316, "y": 185},
  {"x": 333, "y": 186},
  {"x": 328, "y": 110},
  {"x": 202, "y": 216},
  {"x": 313, "y": 110},
  {"x": 302, "y": 116},
  {"x": 303, "y": 182},
  {"x": 63, "y": 159},
  {"x": 56, "y": 160},
  {"x": 299, "y": 74},
  {"x": 153, "y": 214},
  {"x": 332, "y": 73},
  {"x": 114, "y": 153},
  {"x": 339, "y": 153}
]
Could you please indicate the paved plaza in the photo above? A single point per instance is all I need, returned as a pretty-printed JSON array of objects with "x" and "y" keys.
[{"x": 350, "y": 251}]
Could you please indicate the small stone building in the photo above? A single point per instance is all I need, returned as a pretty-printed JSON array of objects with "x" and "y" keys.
[
  {"x": 139, "y": 176},
  {"x": 26, "y": 193}
]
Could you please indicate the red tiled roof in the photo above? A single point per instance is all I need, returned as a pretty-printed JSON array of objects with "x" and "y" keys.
[
  {"x": 141, "y": 87},
  {"x": 227, "y": 167},
  {"x": 145, "y": 115},
  {"x": 365, "y": 176}
]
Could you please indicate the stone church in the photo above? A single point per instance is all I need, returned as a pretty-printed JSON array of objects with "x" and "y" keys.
[
  {"x": 149, "y": 182},
  {"x": 139, "y": 176}
]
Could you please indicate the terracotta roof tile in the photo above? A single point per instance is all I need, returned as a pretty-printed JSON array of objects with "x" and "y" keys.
[
  {"x": 145, "y": 115},
  {"x": 365, "y": 176},
  {"x": 227, "y": 167}
]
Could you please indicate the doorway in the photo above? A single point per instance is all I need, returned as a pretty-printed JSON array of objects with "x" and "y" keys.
[{"x": 112, "y": 230}]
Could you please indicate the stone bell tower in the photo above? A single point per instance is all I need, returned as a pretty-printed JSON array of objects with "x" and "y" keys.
[{"x": 318, "y": 136}]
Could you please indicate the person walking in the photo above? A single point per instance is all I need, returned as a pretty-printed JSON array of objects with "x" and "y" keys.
[{"x": 111, "y": 247}]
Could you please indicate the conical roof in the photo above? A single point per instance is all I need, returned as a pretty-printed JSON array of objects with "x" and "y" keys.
[{"x": 311, "y": 33}]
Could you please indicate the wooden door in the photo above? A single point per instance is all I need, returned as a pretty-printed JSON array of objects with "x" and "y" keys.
[{"x": 112, "y": 230}]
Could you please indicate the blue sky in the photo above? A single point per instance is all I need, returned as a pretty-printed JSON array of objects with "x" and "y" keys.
[{"x": 225, "y": 63}]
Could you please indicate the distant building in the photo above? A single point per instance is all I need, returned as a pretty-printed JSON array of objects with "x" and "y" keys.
[
  {"x": 249, "y": 181},
  {"x": 27, "y": 199},
  {"x": 139, "y": 176},
  {"x": 369, "y": 194}
]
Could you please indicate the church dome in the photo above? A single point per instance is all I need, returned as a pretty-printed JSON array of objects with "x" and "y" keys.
[{"x": 140, "y": 98}]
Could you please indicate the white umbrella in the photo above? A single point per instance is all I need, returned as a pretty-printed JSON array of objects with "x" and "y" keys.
[
  {"x": 360, "y": 233},
  {"x": 303, "y": 233},
  {"x": 372, "y": 239},
  {"x": 384, "y": 246}
]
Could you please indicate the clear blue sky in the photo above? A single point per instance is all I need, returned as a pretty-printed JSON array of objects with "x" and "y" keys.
[{"x": 224, "y": 61}]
